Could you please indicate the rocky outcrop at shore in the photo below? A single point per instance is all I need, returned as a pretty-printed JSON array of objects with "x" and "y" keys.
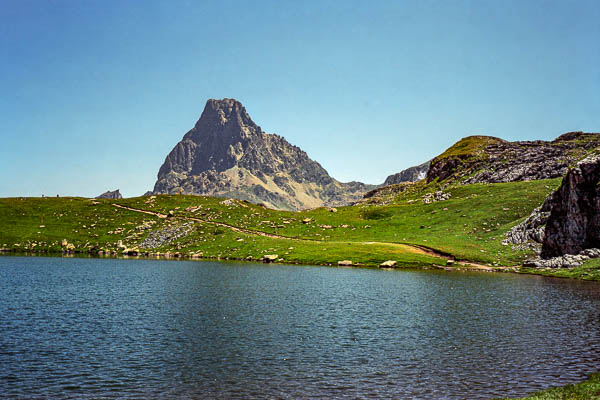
[
  {"x": 565, "y": 230},
  {"x": 226, "y": 154},
  {"x": 564, "y": 261},
  {"x": 574, "y": 221}
]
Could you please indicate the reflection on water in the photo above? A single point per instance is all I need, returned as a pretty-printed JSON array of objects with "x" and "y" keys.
[{"x": 74, "y": 328}]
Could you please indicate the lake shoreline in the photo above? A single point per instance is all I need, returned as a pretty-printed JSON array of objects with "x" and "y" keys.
[{"x": 458, "y": 266}]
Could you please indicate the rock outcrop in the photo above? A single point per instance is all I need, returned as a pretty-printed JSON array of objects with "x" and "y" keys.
[
  {"x": 411, "y": 174},
  {"x": 565, "y": 230},
  {"x": 531, "y": 232},
  {"x": 485, "y": 159},
  {"x": 115, "y": 194},
  {"x": 226, "y": 154},
  {"x": 564, "y": 261},
  {"x": 574, "y": 221}
]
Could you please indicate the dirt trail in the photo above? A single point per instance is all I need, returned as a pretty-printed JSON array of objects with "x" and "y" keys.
[{"x": 409, "y": 247}]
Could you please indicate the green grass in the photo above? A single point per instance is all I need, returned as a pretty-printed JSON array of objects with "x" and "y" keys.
[
  {"x": 470, "y": 226},
  {"x": 587, "y": 390},
  {"x": 469, "y": 146}
]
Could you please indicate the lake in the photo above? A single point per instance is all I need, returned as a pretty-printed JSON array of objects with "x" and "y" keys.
[{"x": 109, "y": 328}]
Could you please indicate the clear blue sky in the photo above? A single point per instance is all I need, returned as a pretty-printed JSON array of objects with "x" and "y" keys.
[{"x": 94, "y": 94}]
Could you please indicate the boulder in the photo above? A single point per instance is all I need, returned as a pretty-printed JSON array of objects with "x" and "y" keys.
[
  {"x": 269, "y": 258},
  {"x": 345, "y": 263},
  {"x": 388, "y": 264},
  {"x": 130, "y": 252}
]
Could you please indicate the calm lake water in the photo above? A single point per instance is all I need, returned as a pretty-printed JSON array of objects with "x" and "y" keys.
[{"x": 91, "y": 328}]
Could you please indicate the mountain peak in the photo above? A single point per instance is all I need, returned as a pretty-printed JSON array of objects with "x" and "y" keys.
[
  {"x": 227, "y": 154},
  {"x": 224, "y": 112}
]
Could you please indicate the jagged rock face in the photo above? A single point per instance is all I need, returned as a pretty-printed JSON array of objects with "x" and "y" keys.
[
  {"x": 411, "y": 174},
  {"x": 494, "y": 160},
  {"x": 574, "y": 221},
  {"x": 110, "y": 195},
  {"x": 531, "y": 232},
  {"x": 226, "y": 154}
]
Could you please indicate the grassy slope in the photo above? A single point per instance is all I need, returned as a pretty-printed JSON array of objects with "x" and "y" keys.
[{"x": 470, "y": 225}]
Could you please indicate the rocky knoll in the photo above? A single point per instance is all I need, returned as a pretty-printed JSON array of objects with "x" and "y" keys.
[
  {"x": 485, "y": 159},
  {"x": 115, "y": 194},
  {"x": 574, "y": 221},
  {"x": 226, "y": 154},
  {"x": 411, "y": 174}
]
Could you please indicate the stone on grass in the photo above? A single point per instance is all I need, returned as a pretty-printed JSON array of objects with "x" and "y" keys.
[{"x": 388, "y": 264}]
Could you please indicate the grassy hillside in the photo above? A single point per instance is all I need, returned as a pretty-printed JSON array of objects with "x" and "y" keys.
[
  {"x": 470, "y": 146},
  {"x": 469, "y": 226}
]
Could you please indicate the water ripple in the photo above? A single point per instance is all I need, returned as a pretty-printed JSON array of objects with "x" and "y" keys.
[{"x": 85, "y": 328}]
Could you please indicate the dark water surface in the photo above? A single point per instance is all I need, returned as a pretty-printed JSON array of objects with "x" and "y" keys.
[{"x": 90, "y": 328}]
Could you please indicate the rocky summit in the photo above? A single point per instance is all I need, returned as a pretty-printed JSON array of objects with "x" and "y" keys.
[
  {"x": 227, "y": 155},
  {"x": 486, "y": 159}
]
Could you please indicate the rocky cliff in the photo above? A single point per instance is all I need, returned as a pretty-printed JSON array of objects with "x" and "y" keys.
[
  {"x": 574, "y": 221},
  {"x": 226, "y": 154},
  {"x": 411, "y": 174},
  {"x": 485, "y": 159}
]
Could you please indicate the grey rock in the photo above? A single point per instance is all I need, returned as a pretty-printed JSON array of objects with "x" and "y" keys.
[
  {"x": 531, "y": 232},
  {"x": 110, "y": 195},
  {"x": 564, "y": 261},
  {"x": 574, "y": 222},
  {"x": 161, "y": 237},
  {"x": 435, "y": 197},
  {"x": 411, "y": 174}
]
